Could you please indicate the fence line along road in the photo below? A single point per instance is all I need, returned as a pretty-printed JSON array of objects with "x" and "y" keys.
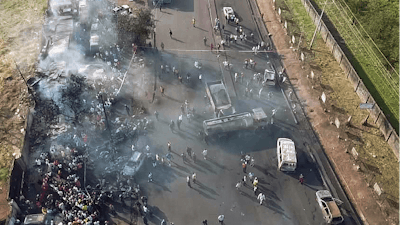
[{"x": 376, "y": 113}]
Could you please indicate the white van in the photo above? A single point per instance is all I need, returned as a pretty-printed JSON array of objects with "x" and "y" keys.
[{"x": 286, "y": 152}]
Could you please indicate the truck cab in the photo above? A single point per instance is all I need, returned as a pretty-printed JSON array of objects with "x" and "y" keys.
[{"x": 286, "y": 153}]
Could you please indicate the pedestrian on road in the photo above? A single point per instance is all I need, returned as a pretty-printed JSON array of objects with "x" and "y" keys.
[
  {"x": 169, "y": 146},
  {"x": 194, "y": 22},
  {"x": 194, "y": 157},
  {"x": 301, "y": 179},
  {"x": 178, "y": 124},
  {"x": 252, "y": 162},
  {"x": 162, "y": 46},
  {"x": 189, "y": 151},
  {"x": 223, "y": 27},
  {"x": 255, "y": 190},
  {"x": 205, "y": 154},
  {"x": 244, "y": 165},
  {"x": 246, "y": 63},
  {"x": 261, "y": 198},
  {"x": 241, "y": 77},
  {"x": 238, "y": 185},
  {"x": 255, "y": 182},
  {"x": 246, "y": 92},
  {"x": 251, "y": 176},
  {"x": 127, "y": 109},
  {"x": 163, "y": 222},
  {"x": 188, "y": 181},
  {"x": 244, "y": 180},
  {"x": 211, "y": 46},
  {"x": 247, "y": 158},
  {"x": 236, "y": 77},
  {"x": 180, "y": 79},
  {"x": 221, "y": 219},
  {"x": 205, "y": 40},
  {"x": 156, "y": 114},
  {"x": 171, "y": 126},
  {"x": 150, "y": 176},
  {"x": 251, "y": 93},
  {"x": 205, "y": 222},
  {"x": 194, "y": 176},
  {"x": 162, "y": 90},
  {"x": 183, "y": 157},
  {"x": 170, "y": 33}
]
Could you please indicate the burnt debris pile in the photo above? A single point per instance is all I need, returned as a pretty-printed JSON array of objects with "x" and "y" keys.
[{"x": 84, "y": 150}]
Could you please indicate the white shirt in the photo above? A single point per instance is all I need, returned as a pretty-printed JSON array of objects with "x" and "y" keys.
[{"x": 205, "y": 152}]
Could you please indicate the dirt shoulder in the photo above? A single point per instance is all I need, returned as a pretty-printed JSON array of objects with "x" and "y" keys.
[
  {"x": 20, "y": 35},
  {"x": 375, "y": 158}
]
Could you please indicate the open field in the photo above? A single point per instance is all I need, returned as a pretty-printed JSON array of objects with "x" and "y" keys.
[
  {"x": 376, "y": 156},
  {"x": 20, "y": 27},
  {"x": 383, "y": 85}
]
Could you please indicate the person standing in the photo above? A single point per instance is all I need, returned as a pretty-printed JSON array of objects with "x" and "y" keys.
[
  {"x": 301, "y": 179},
  {"x": 205, "y": 154},
  {"x": 180, "y": 79},
  {"x": 261, "y": 198},
  {"x": 194, "y": 177},
  {"x": 255, "y": 182},
  {"x": 252, "y": 162},
  {"x": 205, "y": 40},
  {"x": 211, "y": 46},
  {"x": 169, "y": 146},
  {"x": 156, "y": 114},
  {"x": 170, "y": 33},
  {"x": 205, "y": 222},
  {"x": 150, "y": 177},
  {"x": 221, "y": 219},
  {"x": 189, "y": 151},
  {"x": 194, "y": 22},
  {"x": 244, "y": 180},
  {"x": 127, "y": 109},
  {"x": 238, "y": 185},
  {"x": 188, "y": 181},
  {"x": 194, "y": 157},
  {"x": 244, "y": 165},
  {"x": 183, "y": 157},
  {"x": 162, "y": 90},
  {"x": 236, "y": 77},
  {"x": 162, "y": 46},
  {"x": 171, "y": 126},
  {"x": 160, "y": 7},
  {"x": 255, "y": 190}
]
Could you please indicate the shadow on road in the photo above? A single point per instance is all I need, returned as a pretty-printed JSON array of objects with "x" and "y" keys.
[
  {"x": 202, "y": 186},
  {"x": 203, "y": 193}
]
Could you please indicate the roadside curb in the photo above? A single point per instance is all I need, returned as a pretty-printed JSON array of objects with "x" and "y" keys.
[{"x": 323, "y": 167}]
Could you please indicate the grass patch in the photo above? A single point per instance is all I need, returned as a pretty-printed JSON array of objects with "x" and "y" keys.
[
  {"x": 4, "y": 174},
  {"x": 384, "y": 87}
]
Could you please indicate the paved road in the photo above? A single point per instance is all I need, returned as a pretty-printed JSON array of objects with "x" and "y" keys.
[{"x": 288, "y": 202}]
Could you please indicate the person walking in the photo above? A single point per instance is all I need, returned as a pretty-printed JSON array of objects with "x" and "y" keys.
[
  {"x": 252, "y": 162},
  {"x": 170, "y": 33},
  {"x": 150, "y": 177},
  {"x": 244, "y": 179},
  {"x": 205, "y": 154},
  {"x": 255, "y": 182},
  {"x": 205, "y": 222},
  {"x": 169, "y": 146},
  {"x": 162, "y": 90},
  {"x": 236, "y": 77},
  {"x": 162, "y": 46},
  {"x": 194, "y": 177},
  {"x": 261, "y": 198},
  {"x": 238, "y": 185},
  {"x": 211, "y": 46},
  {"x": 180, "y": 79},
  {"x": 172, "y": 125},
  {"x": 260, "y": 92},
  {"x": 194, "y": 22},
  {"x": 301, "y": 179},
  {"x": 188, "y": 181},
  {"x": 156, "y": 114},
  {"x": 205, "y": 40},
  {"x": 183, "y": 157},
  {"x": 194, "y": 157},
  {"x": 246, "y": 63},
  {"x": 255, "y": 190},
  {"x": 127, "y": 110},
  {"x": 169, "y": 157},
  {"x": 244, "y": 165},
  {"x": 221, "y": 219},
  {"x": 163, "y": 222},
  {"x": 189, "y": 151}
]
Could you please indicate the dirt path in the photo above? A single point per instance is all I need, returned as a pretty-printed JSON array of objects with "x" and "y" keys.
[{"x": 353, "y": 182}]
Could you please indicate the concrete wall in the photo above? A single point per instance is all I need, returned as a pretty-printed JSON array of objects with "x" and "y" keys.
[{"x": 376, "y": 113}]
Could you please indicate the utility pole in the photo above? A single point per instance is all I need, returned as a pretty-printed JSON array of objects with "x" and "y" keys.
[
  {"x": 319, "y": 23},
  {"x": 26, "y": 83}
]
